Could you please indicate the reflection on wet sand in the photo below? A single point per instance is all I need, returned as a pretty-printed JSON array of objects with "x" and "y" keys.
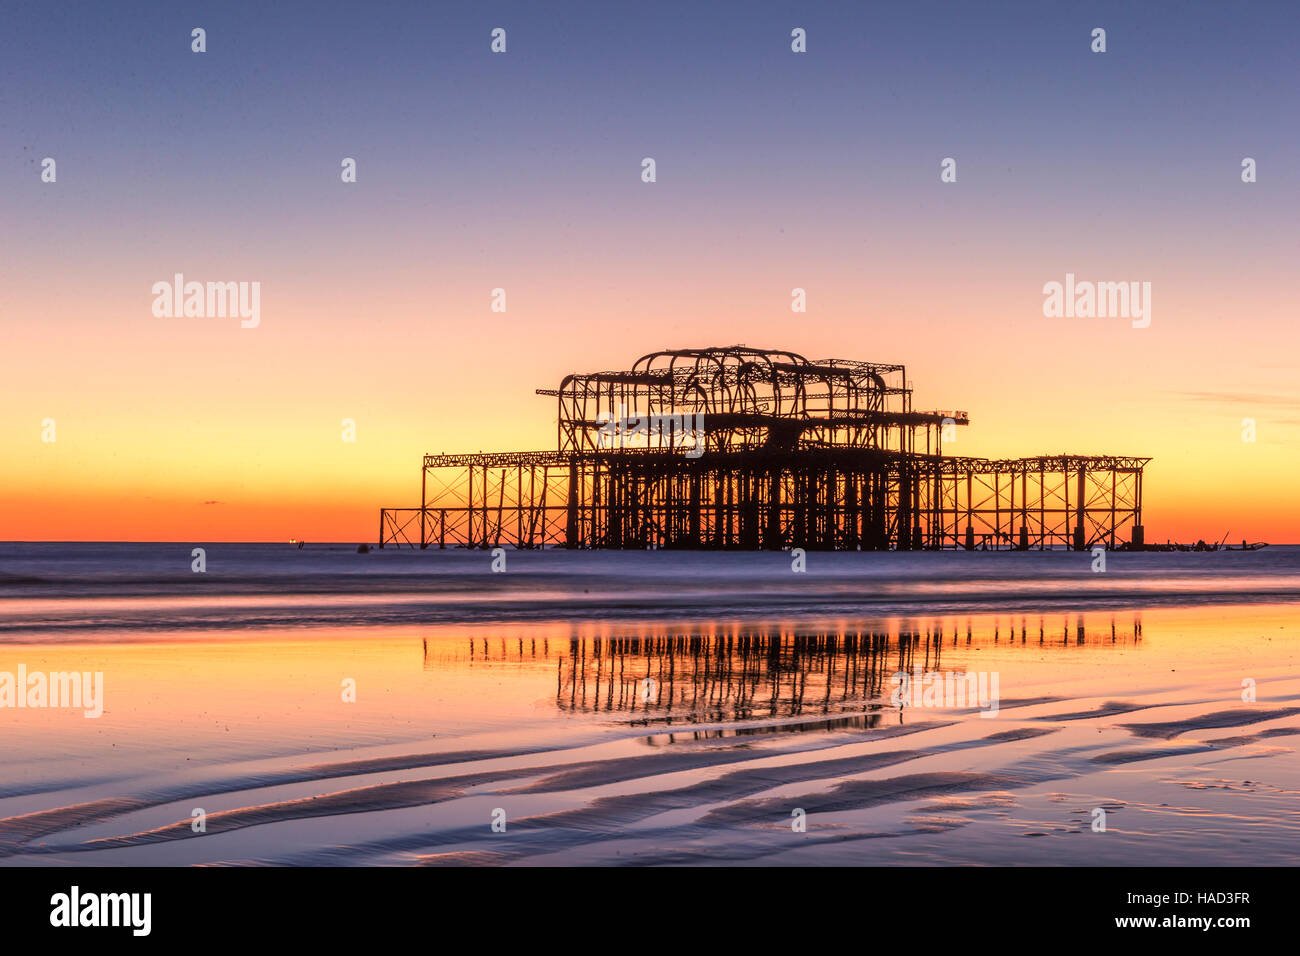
[
  {"x": 674, "y": 743},
  {"x": 745, "y": 672}
]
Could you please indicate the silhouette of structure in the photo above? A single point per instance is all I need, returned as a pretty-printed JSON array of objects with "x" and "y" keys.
[{"x": 753, "y": 449}]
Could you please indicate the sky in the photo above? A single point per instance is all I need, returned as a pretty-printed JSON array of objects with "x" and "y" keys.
[{"x": 522, "y": 171}]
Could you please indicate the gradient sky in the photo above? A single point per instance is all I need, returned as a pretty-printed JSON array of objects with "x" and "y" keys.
[{"x": 522, "y": 171}]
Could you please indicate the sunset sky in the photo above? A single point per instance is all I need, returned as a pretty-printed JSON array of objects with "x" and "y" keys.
[{"x": 522, "y": 171}]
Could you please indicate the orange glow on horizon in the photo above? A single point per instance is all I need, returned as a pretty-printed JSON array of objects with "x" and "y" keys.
[{"x": 196, "y": 429}]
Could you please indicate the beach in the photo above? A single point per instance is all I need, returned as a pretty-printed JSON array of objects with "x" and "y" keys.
[{"x": 325, "y": 707}]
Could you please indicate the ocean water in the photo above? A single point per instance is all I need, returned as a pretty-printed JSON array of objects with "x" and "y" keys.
[
  {"x": 320, "y": 706},
  {"x": 84, "y": 591}
]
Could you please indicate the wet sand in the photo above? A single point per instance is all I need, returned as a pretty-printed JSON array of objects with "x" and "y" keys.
[{"x": 670, "y": 741}]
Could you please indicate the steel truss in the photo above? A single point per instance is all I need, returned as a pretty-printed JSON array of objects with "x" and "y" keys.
[{"x": 817, "y": 455}]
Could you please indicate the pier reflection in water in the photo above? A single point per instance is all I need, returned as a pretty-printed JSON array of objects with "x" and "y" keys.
[{"x": 682, "y": 675}]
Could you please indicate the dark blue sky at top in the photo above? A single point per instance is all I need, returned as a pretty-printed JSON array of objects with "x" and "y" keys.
[
  {"x": 583, "y": 76},
  {"x": 442, "y": 127}
]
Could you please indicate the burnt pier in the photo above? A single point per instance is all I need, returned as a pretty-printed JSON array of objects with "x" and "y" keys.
[{"x": 749, "y": 449}]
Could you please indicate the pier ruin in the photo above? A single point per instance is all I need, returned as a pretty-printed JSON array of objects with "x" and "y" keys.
[{"x": 755, "y": 449}]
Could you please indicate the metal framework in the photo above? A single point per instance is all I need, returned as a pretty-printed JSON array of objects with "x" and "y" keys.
[{"x": 749, "y": 449}]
